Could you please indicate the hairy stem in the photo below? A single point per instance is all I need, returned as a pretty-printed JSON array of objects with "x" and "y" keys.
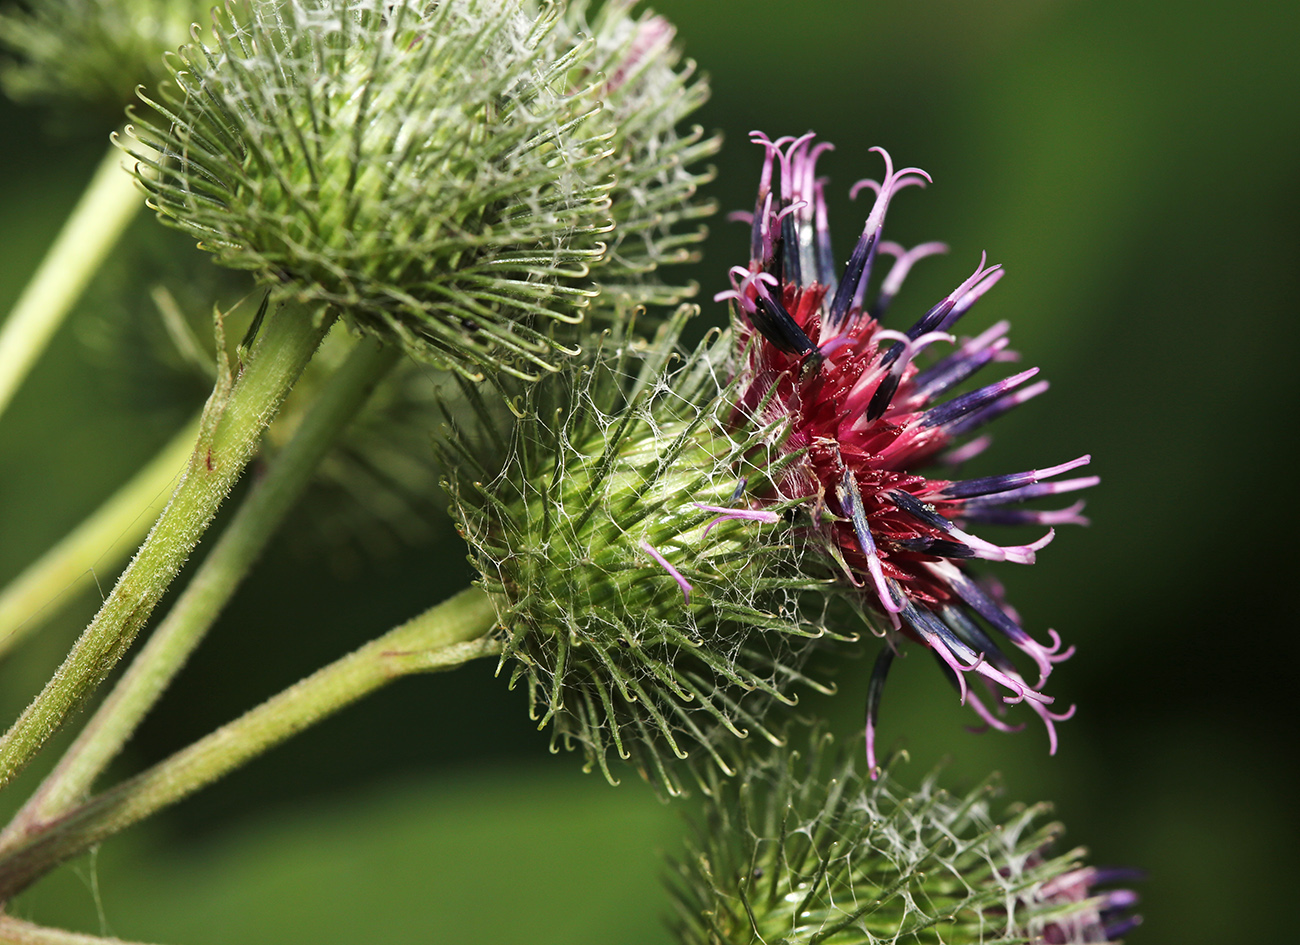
[
  {"x": 233, "y": 421},
  {"x": 444, "y": 637},
  {"x": 212, "y": 586},
  {"x": 100, "y": 542},
  {"x": 97, "y": 222}
]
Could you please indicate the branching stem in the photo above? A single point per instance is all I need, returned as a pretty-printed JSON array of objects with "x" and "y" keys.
[
  {"x": 212, "y": 586},
  {"x": 233, "y": 421},
  {"x": 444, "y": 637}
]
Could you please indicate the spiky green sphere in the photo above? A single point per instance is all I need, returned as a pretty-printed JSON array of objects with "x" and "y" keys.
[
  {"x": 800, "y": 849},
  {"x": 91, "y": 54},
  {"x": 447, "y": 174},
  {"x": 645, "y": 620}
]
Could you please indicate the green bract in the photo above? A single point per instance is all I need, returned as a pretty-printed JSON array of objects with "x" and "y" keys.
[
  {"x": 91, "y": 52},
  {"x": 800, "y": 849},
  {"x": 444, "y": 173},
  {"x": 568, "y": 514}
]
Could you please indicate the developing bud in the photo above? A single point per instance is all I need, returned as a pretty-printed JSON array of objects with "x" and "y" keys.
[
  {"x": 799, "y": 848},
  {"x": 646, "y": 607},
  {"x": 443, "y": 173}
]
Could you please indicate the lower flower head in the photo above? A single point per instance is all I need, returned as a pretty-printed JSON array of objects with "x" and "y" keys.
[
  {"x": 799, "y": 848},
  {"x": 867, "y": 421}
]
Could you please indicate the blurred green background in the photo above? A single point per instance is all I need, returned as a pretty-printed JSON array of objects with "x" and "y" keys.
[{"x": 1133, "y": 165}]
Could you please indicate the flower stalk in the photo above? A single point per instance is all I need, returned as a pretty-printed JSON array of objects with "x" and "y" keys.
[
  {"x": 108, "y": 204},
  {"x": 443, "y": 637},
  {"x": 212, "y": 586},
  {"x": 234, "y": 418}
]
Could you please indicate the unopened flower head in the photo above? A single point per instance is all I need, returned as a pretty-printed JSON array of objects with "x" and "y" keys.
[
  {"x": 445, "y": 174},
  {"x": 81, "y": 54},
  {"x": 866, "y": 421},
  {"x": 799, "y": 848},
  {"x": 648, "y": 608}
]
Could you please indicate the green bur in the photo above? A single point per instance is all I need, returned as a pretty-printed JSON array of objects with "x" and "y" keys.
[
  {"x": 450, "y": 175},
  {"x": 608, "y": 462},
  {"x": 800, "y": 849}
]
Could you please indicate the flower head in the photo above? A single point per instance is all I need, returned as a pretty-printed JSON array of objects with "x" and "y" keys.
[
  {"x": 799, "y": 848},
  {"x": 449, "y": 175},
  {"x": 866, "y": 420},
  {"x": 648, "y": 610}
]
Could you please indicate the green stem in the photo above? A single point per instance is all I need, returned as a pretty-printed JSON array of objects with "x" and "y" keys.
[
  {"x": 17, "y": 932},
  {"x": 233, "y": 421},
  {"x": 97, "y": 222},
  {"x": 444, "y": 637},
  {"x": 213, "y": 584},
  {"x": 100, "y": 542}
]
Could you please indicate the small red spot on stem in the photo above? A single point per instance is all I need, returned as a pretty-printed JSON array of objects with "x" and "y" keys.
[{"x": 210, "y": 467}]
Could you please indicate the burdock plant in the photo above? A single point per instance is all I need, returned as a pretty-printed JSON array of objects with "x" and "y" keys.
[
  {"x": 669, "y": 540},
  {"x": 446, "y": 180}
]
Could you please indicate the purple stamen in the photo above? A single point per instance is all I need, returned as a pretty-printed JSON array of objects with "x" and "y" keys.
[
  {"x": 884, "y": 659},
  {"x": 1121, "y": 927},
  {"x": 999, "y": 619},
  {"x": 988, "y": 485},
  {"x": 1035, "y": 491},
  {"x": 949, "y": 648},
  {"x": 965, "y": 303},
  {"x": 972, "y": 355},
  {"x": 825, "y": 258},
  {"x": 939, "y": 314},
  {"x": 888, "y": 386},
  {"x": 850, "y": 499},
  {"x": 777, "y": 325},
  {"x": 958, "y": 407},
  {"x": 978, "y": 418},
  {"x": 684, "y": 584},
  {"x": 848, "y": 294},
  {"x": 1018, "y": 554},
  {"x": 1118, "y": 899}
]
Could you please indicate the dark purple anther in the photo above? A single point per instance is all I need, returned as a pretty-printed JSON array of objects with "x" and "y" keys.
[
  {"x": 778, "y": 326},
  {"x": 959, "y": 407},
  {"x": 991, "y": 484},
  {"x": 879, "y": 672},
  {"x": 1003, "y": 404}
]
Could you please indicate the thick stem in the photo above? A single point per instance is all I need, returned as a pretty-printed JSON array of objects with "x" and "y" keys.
[
  {"x": 444, "y": 637},
  {"x": 101, "y": 542},
  {"x": 233, "y": 421},
  {"x": 107, "y": 206},
  {"x": 17, "y": 932},
  {"x": 213, "y": 584}
]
